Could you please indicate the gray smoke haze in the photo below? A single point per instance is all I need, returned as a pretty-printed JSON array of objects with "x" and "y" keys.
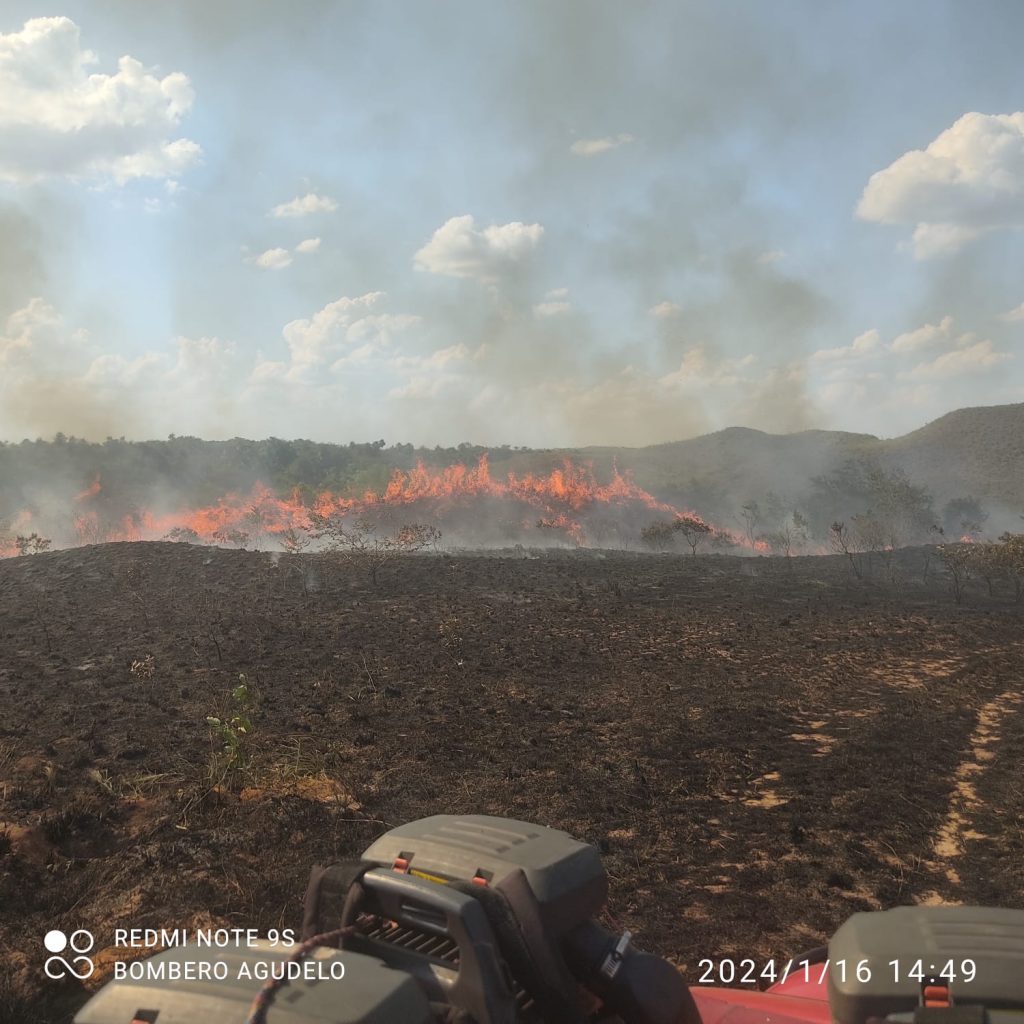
[
  {"x": 546, "y": 224},
  {"x": 22, "y": 267}
]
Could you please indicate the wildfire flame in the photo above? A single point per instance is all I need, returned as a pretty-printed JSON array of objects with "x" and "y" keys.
[
  {"x": 568, "y": 501},
  {"x": 90, "y": 492}
]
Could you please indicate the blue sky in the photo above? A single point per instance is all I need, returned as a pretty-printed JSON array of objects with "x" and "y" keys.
[{"x": 527, "y": 223}]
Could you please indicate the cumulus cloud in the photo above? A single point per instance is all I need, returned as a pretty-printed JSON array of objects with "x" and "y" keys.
[
  {"x": 33, "y": 326},
  {"x": 302, "y": 206},
  {"x": 438, "y": 358},
  {"x": 928, "y": 336},
  {"x": 664, "y": 310},
  {"x": 56, "y": 119},
  {"x": 551, "y": 308},
  {"x": 555, "y": 302},
  {"x": 344, "y": 325},
  {"x": 862, "y": 345},
  {"x": 113, "y": 369},
  {"x": 1013, "y": 316},
  {"x": 924, "y": 337},
  {"x": 967, "y": 182},
  {"x": 46, "y": 384},
  {"x": 278, "y": 258},
  {"x": 430, "y": 375},
  {"x": 592, "y": 147},
  {"x": 201, "y": 359},
  {"x": 972, "y": 358},
  {"x": 698, "y": 367},
  {"x": 931, "y": 240},
  {"x": 273, "y": 259},
  {"x": 459, "y": 249},
  {"x": 191, "y": 364},
  {"x": 923, "y": 369}
]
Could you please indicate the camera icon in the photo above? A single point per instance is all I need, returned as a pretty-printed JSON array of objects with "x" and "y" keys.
[{"x": 80, "y": 942}]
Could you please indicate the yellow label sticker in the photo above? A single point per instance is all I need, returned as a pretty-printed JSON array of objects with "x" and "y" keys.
[{"x": 429, "y": 878}]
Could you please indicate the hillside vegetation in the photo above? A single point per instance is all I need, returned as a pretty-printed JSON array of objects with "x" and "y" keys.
[{"x": 971, "y": 453}]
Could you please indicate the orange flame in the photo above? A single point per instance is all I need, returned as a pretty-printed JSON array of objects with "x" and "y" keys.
[
  {"x": 91, "y": 491},
  {"x": 562, "y": 501}
]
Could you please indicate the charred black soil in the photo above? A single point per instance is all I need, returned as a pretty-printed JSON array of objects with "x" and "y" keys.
[{"x": 759, "y": 747}]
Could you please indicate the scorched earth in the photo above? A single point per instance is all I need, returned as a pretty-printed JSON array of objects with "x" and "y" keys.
[{"x": 760, "y": 747}]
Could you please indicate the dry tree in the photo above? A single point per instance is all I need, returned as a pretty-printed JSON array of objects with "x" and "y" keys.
[
  {"x": 844, "y": 543},
  {"x": 693, "y": 529},
  {"x": 959, "y": 562},
  {"x": 33, "y": 544},
  {"x": 361, "y": 544}
]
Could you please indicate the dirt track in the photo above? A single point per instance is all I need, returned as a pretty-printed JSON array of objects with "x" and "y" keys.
[{"x": 759, "y": 748}]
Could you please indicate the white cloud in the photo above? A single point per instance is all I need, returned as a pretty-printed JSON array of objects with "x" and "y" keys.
[
  {"x": 967, "y": 182},
  {"x": 924, "y": 337},
  {"x": 973, "y": 358},
  {"x": 459, "y": 249},
  {"x": 279, "y": 258},
  {"x": 771, "y": 256},
  {"x": 29, "y": 329},
  {"x": 592, "y": 147},
  {"x": 52, "y": 378},
  {"x": 340, "y": 326},
  {"x": 45, "y": 384},
  {"x": 266, "y": 371},
  {"x": 1013, "y": 316},
  {"x": 113, "y": 369},
  {"x": 694, "y": 366},
  {"x": 940, "y": 335},
  {"x": 698, "y": 369},
  {"x": 309, "y": 339},
  {"x": 273, "y": 259},
  {"x": 172, "y": 158},
  {"x": 551, "y": 308},
  {"x": 302, "y": 206},
  {"x": 201, "y": 359},
  {"x": 379, "y": 328},
  {"x": 664, "y": 310},
  {"x": 864, "y": 344},
  {"x": 430, "y": 375},
  {"x": 420, "y": 387},
  {"x": 36, "y": 344},
  {"x": 191, "y": 364},
  {"x": 556, "y": 301},
  {"x": 439, "y": 358},
  {"x": 931, "y": 240},
  {"x": 56, "y": 119}
]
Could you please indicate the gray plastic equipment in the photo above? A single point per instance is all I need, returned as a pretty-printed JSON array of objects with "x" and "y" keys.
[
  {"x": 368, "y": 993},
  {"x": 566, "y": 876},
  {"x": 896, "y": 946}
]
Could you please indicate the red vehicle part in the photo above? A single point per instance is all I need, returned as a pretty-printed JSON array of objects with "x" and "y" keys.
[{"x": 800, "y": 999}]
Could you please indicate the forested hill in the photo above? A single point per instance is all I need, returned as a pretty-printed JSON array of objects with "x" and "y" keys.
[{"x": 977, "y": 452}]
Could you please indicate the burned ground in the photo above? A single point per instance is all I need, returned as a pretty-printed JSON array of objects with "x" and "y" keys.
[{"x": 759, "y": 747}]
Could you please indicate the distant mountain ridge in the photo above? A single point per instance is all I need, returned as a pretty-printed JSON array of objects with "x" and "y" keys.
[
  {"x": 978, "y": 450},
  {"x": 974, "y": 451}
]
